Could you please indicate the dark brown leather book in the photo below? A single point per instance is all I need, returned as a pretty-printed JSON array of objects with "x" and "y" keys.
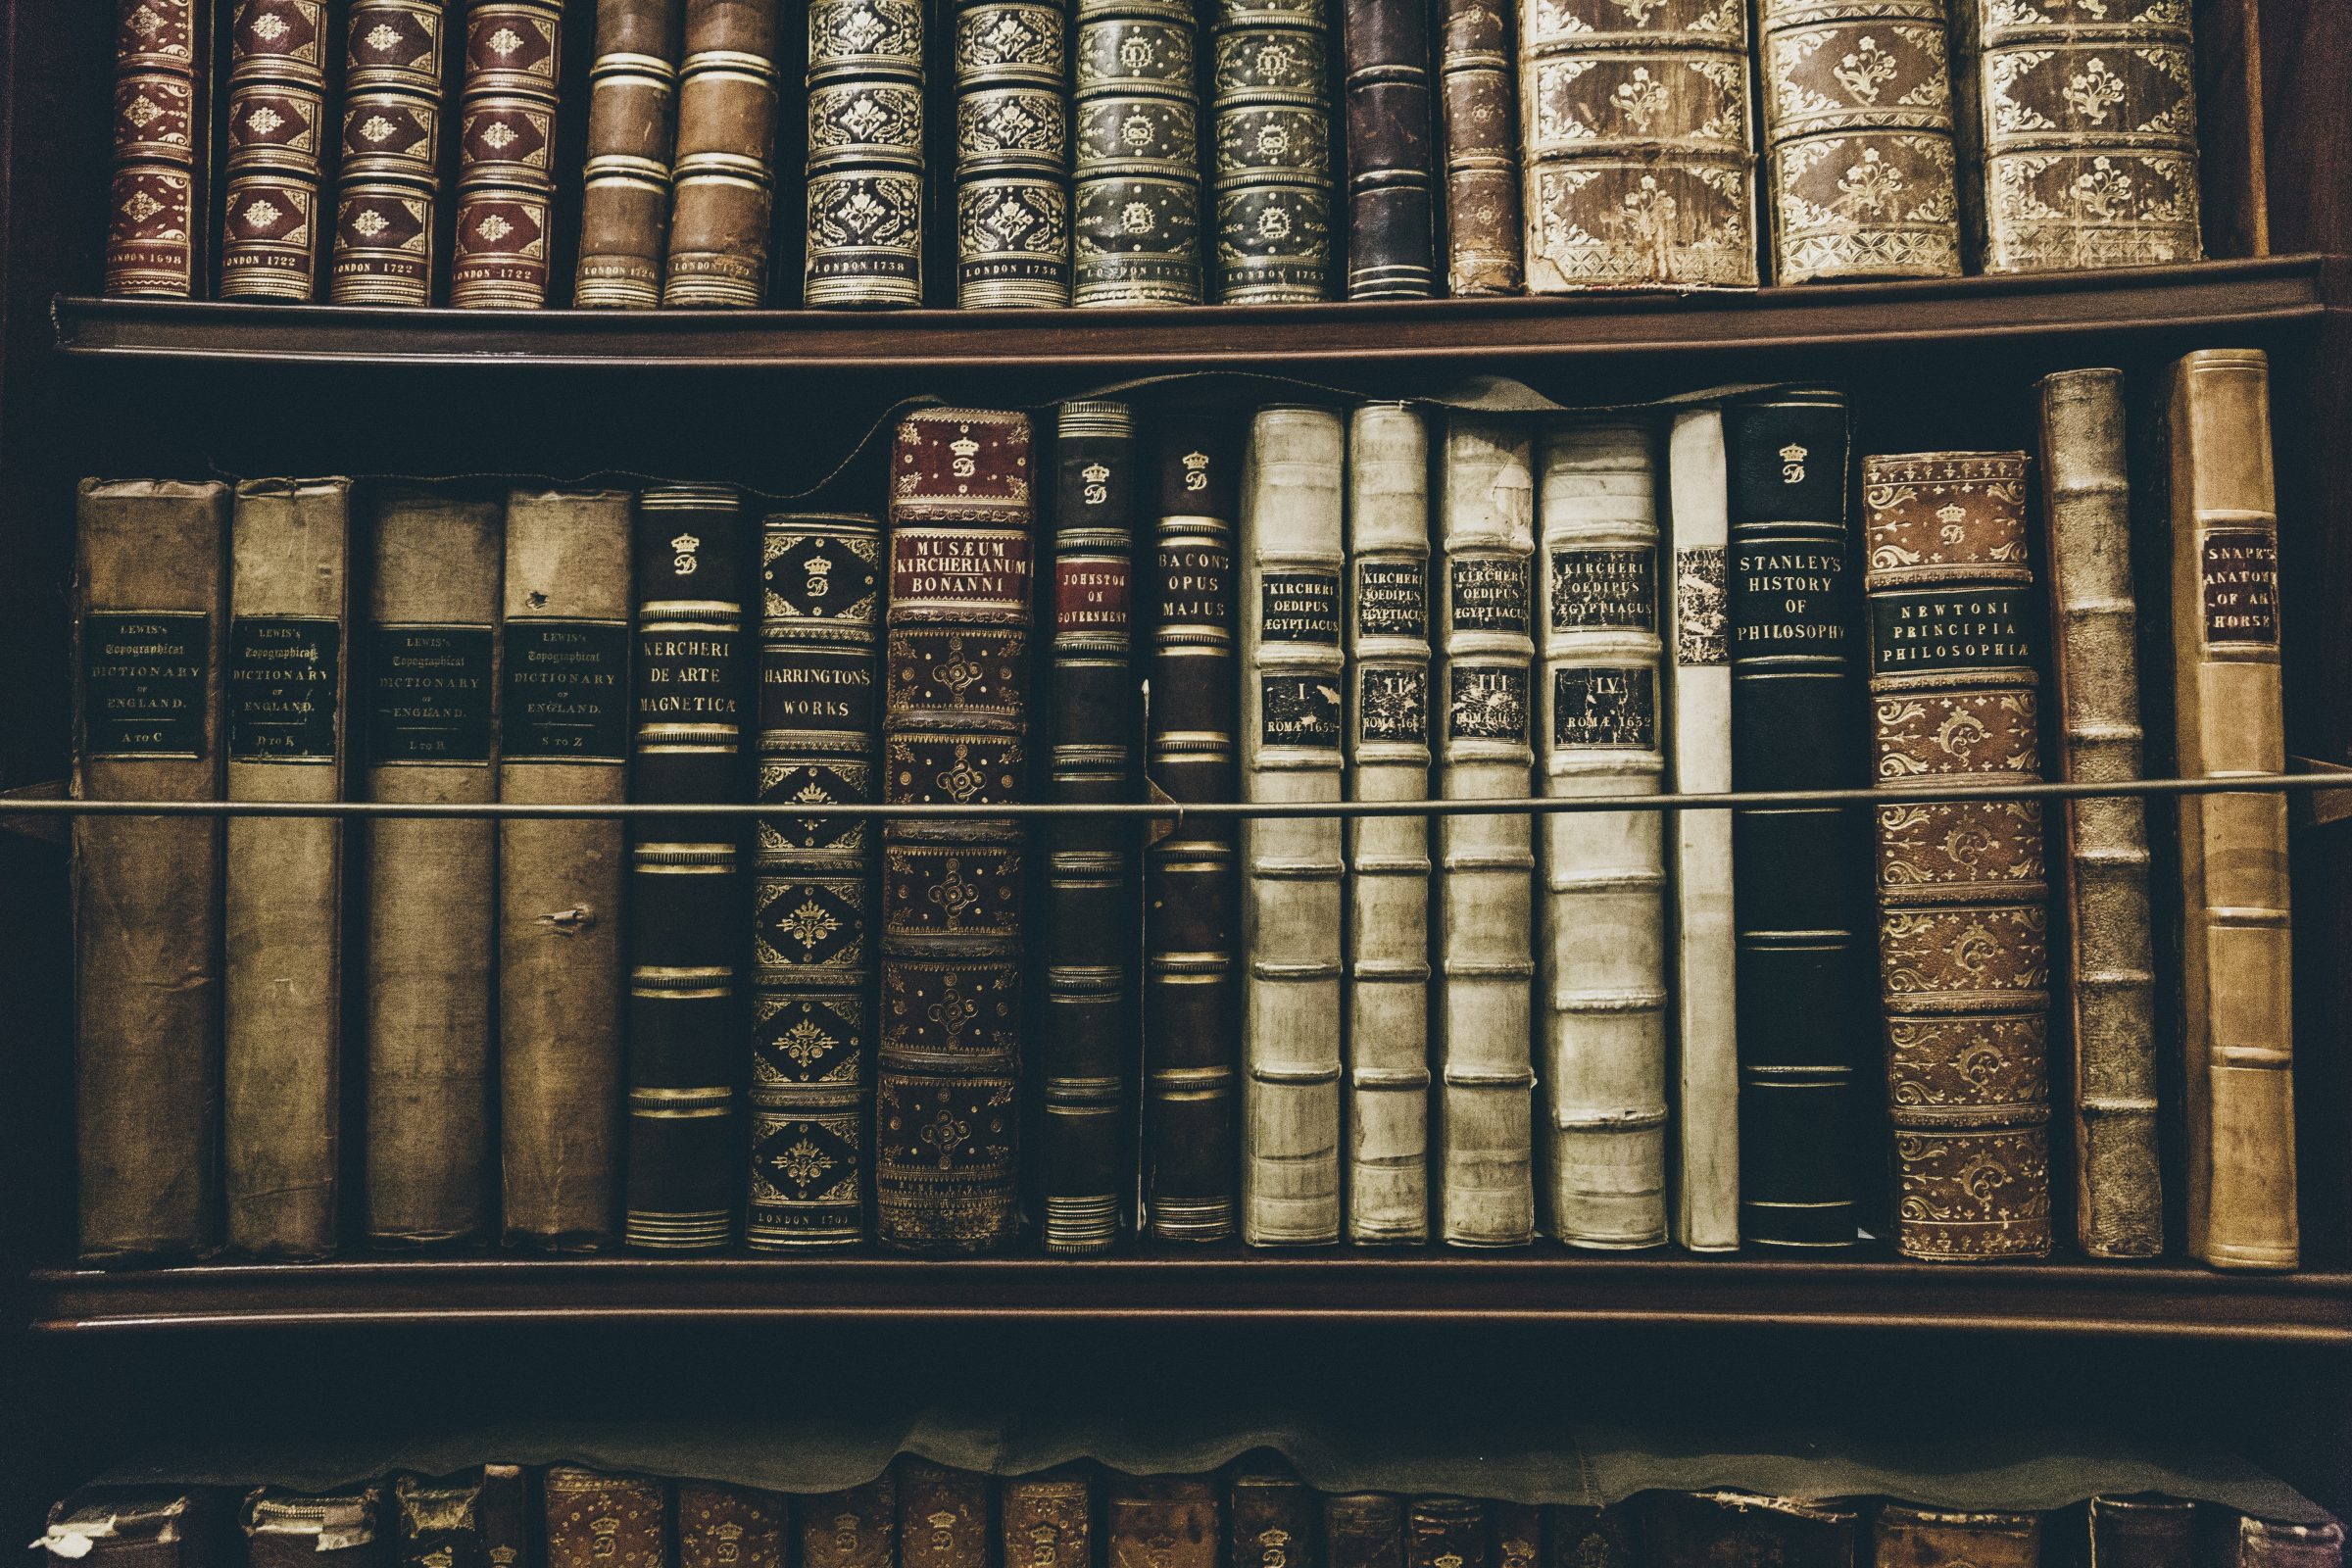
[
  {"x": 156, "y": 218},
  {"x": 1390, "y": 178},
  {"x": 1478, "y": 85},
  {"x": 865, "y": 153},
  {"x": 395, "y": 105},
  {"x": 271, "y": 232},
  {"x": 1363, "y": 1530},
  {"x": 1741, "y": 1530},
  {"x": 686, "y": 877},
  {"x": 1161, "y": 1522},
  {"x": 281, "y": 1006},
  {"x": 729, "y": 1527},
  {"x": 954, "y": 732},
  {"x": 1905, "y": 1537},
  {"x": 1135, "y": 194},
  {"x": 605, "y": 1521},
  {"x": 150, "y": 628},
  {"x": 624, "y": 186},
  {"x": 477, "y": 1519},
  {"x": 1270, "y": 150},
  {"x": 726, "y": 133},
  {"x": 1272, "y": 1518},
  {"x": 1047, "y": 1520},
  {"x": 506, "y": 154},
  {"x": 2138, "y": 1532},
  {"x": 1963, "y": 897},
  {"x": 943, "y": 1516},
  {"x": 138, "y": 1527},
  {"x": 1580, "y": 1537},
  {"x": 2225, "y": 1541},
  {"x": 1192, "y": 990},
  {"x": 1445, "y": 1533},
  {"x": 1515, "y": 1531},
  {"x": 330, "y": 1529},
  {"x": 1012, "y": 154},
  {"x": 853, "y": 1529}
]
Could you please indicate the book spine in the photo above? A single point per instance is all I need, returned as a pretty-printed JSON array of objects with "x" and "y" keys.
[
  {"x": 853, "y": 1529},
  {"x": 1477, "y": 81},
  {"x": 395, "y": 92},
  {"x": 1963, "y": 900},
  {"x": 1486, "y": 864},
  {"x": 1012, "y": 154},
  {"x": 812, "y": 966},
  {"x": 2140, "y": 1532},
  {"x": 1516, "y": 1529},
  {"x": 275, "y": 146},
  {"x": 686, "y": 874},
  {"x": 865, "y": 153},
  {"x": 1163, "y": 1522},
  {"x": 1090, "y": 879},
  {"x": 1273, "y": 1516},
  {"x": 1445, "y": 1533},
  {"x": 151, "y": 622},
  {"x": 430, "y": 677},
  {"x": 1385, "y": 46},
  {"x": 1047, "y": 1520},
  {"x": 1604, "y": 873},
  {"x": 943, "y": 1516},
  {"x": 331, "y": 1530},
  {"x": 2251, "y": 1543},
  {"x": 1706, "y": 944},
  {"x": 1579, "y": 1537},
  {"x": 1860, "y": 172},
  {"x": 564, "y": 705},
  {"x": 954, "y": 731},
  {"x": 725, "y": 175},
  {"x": 1685, "y": 1530},
  {"x": 281, "y": 918},
  {"x": 1904, "y": 1537},
  {"x": 2103, "y": 955},
  {"x": 2086, "y": 135},
  {"x": 1191, "y": 985},
  {"x": 2236, "y": 965},
  {"x": 625, "y": 182},
  {"x": 1797, "y": 717},
  {"x": 1271, "y": 151},
  {"x": 1363, "y": 1530},
  {"x": 605, "y": 1521},
  {"x": 507, "y": 111},
  {"x": 1387, "y": 1024},
  {"x": 480, "y": 1521},
  {"x": 161, "y": 121},
  {"x": 1639, "y": 156},
  {"x": 1295, "y": 671},
  {"x": 1135, "y": 200},
  {"x": 729, "y": 1527}
]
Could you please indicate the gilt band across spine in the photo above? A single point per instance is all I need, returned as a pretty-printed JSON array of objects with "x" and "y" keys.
[
  {"x": 1135, "y": 200},
  {"x": 1479, "y": 83},
  {"x": 625, "y": 186},
  {"x": 275, "y": 144},
  {"x": 1270, "y": 151},
  {"x": 1012, "y": 154},
  {"x": 1390, "y": 179},
  {"x": 723, "y": 194},
  {"x": 395, "y": 107},
  {"x": 865, "y": 153},
  {"x": 506, "y": 113},
  {"x": 156, "y": 216}
]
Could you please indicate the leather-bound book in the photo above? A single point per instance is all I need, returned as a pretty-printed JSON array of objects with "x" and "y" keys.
[
  {"x": 151, "y": 630},
  {"x": 853, "y": 1529},
  {"x": 563, "y": 740},
  {"x": 943, "y": 1516},
  {"x": 476, "y": 1520},
  {"x": 331, "y": 1530},
  {"x": 686, "y": 875},
  {"x": 2138, "y": 1532},
  {"x": 1904, "y": 1537},
  {"x": 1861, "y": 180},
  {"x": 1705, "y": 1070},
  {"x": 1604, "y": 873},
  {"x": 507, "y": 111},
  {"x": 1270, "y": 150},
  {"x": 1191, "y": 988},
  {"x": 1802, "y": 872},
  {"x": 813, "y": 935},
  {"x": 1963, "y": 900},
  {"x": 1579, "y": 1537},
  {"x": 1390, "y": 177},
  {"x": 2102, "y": 968},
  {"x": 1163, "y": 1522},
  {"x": 281, "y": 1003},
  {"x": 1046, "y": 1520},
  {"x": 1638, "y": 152},
  {"x": 275, "y": 146},
  {"x": 156, "y": 218},
  {"x": 1134, "y": 196},
  {"x": 1387, "y": 1024},
  {"x": 605, "y": 1521},
  {"x": 1446, "y": 1532},
  {"x": 1084, "y": 1158},
  {"x": 865, "y": 153},
  {"x": 388, "y": 200},
  {"x": 428, "y": 669},
  {"x": 1741, "y": 1530},
  {"x": 729, "y": 1527},
  {"x": 1516, "y": 1531},
  {"x": 1012, "y": 154},
  {"x": 2246, "y": 1541},
  {"x": 2079, "y": 124},
  {"x": 1271, "y": 1516},
  {"x": 954, "y": 729},
  {"x": 1363, "y": 1530},
  {"x": 1486, "y": 864},
  {"x": 632, "y": 132},
  {"x": 725, "y": 171},
  {"x": 2237, "y": 1004},
  {"x": 1292, "y": 680},
  {"x": 137, "y": 1527},
  {"x": 1478, "y": 86}
]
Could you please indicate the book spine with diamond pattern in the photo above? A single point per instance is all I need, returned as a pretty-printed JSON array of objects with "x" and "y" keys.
[
  {"x": 275, "y": 135},
  {"x": 506, "y": 152},
  {"x": 395, "y": 87},
  {"x": 155, "y": 211}
]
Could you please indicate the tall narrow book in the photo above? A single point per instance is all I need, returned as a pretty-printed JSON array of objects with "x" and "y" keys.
[
  {"x": 1012, "y": 154},
  {"x": 430, "y": 682},
  {"x": 1963, "y": 902},
  {"x": 1391, "y": 176},
  {"x": 388, "y": 201},
  {"x": 1387, "y": 1024},
  {"x": 506, "y": 154},
  {"x": 151, "y": 625},
  {"x": 1486, "y": 864},
  {"x": 281, "y": 1003},
  {"x": 954, "y": 731},
  {"x": 625, "y": 186},
  {"x": 563, "y": 740},
  {"x": 865, "y": 153},
  {"x": 1270, "y": 150},
  {"x": 156, "y": 218},
  {"x": 723, "y": 181},
  {"x": 1135, "y": 194},
  {"x": 1294, "y": 673},
  {"x": 1604, "y": 873},
  {"x": 274, "y": 136},
  {"x": 1478, "y": 82}
]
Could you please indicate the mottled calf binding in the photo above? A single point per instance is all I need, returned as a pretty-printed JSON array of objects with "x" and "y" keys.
[
  {"x": 1271, "y": 151},
  {"x": 1012, "y": 154},
  {"x": 275, "y": 141},
  {"x": 724, "y": 183},
  {"x": 624, "y": 186},
  {"x": 388, "y": 204},
  {"x": 865, "y": 153},
  {"x": 1478, "y": 83},
  {"x": 155, "y": 225},
  {"x": 506, "y": 113},
  {"x": 1135, "y": 199}
]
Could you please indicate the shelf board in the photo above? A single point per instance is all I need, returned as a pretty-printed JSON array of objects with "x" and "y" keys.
[
  {"x": 2207, "y": 297},
  {"x": 1222, "y": 1284}
]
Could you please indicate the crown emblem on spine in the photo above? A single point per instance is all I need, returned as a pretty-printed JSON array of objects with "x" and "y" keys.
[
  {"x": 964, "y": 447},
  {"x": 819, "y": 567},
  {"x": 1094, "y": 473},
  {"x": 1953, "y": 512},
  {"x": 685, "y": 544},
  {"x": 1792, "y": 453}
]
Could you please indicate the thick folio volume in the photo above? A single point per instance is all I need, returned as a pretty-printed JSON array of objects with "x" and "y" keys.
[
  {"x": 1798, "y": 713},
  {"x": 813, "y": 932},
  {"x": 151, "y": 630},
  {"x": 506, "y": 113},
  {"x": 1271, "y": 151},
  {"x": 431, "y": 690},
  {"x": 388, "y": 203},
  {"x": 1134, "y": 197},
  {"x": 1963, "y": 899},
  {"x": 725, "y": 171},
  {"x": 1385, "y": 47},
  {"x": 274, "y": 136},
  {"x": 281, "y": 1009},
  {"x": 865, "y": 153},
  {"x": 943, "y": 1515},
  {"x": 1012, "y": 154},
  {"x": 1478, "y": 83},
  {"x": 624, "y": 186},
  {"x": 954, "y": 729},
  {"x": 1192, "y": 989},
  {"x": 686, "y": 881},
  {"x": 564, "y": 708},
  {"x": 154, "y": 219}
]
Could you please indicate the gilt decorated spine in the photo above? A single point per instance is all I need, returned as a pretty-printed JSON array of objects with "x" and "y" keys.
[
  {"x": 1271, "y": 151},
  {"x": 1163, "y": 1522},
  {"x": 853, "y": 1529},
  {"x": 865, "y": 153},
  {"x": 1478, "y": 85},
  {"x": 507, "y": 111},
  {"x": 1271, "y": 1518},
  {"x": 1047, "y": 1520},
  {"x": 474, "y": 1521},
  {"x": 729, "y": 1527},
  {"x": 943, "y": 1515},
  {"x": 156, "y": 216},
  {"x": 594, "y": 1520},
  {"x": 388, "y": 202},
  {"x": 1012, "y": 154},
  {"x": 1391, "y": 180},
  {"x": 1135, "y": 199},
  {"x": 329, "y": 1530},
  {"x": 1904, "y": 1537},
  {"x": 1363, "y": 1530},
  {"x": 625, "y": 183},
  {"x": 274, "y": 145},
  {"x": 723, "y": 193},
  {"x": 1446, "y": 1532}
]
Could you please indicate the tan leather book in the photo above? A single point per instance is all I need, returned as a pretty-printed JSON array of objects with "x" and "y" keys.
[
  {"x": 1047, "y": 1520},
  {"x": 1476, "y": 80},
  {"x": 943, "y": 1516},
  {"x": 625, "y": 186},
  {"x": 729, "y": 1527},
  {"x": 853, "y": 1529},
  {"x": 601, "y": 1521},
  {"x": 2246, "y": 1541},
  {"x": 725, "y": 189},
  {"x": 2238, "y": 1025}
]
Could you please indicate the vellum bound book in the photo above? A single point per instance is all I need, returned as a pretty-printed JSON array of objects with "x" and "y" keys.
[{"x": 865, "y": 153}]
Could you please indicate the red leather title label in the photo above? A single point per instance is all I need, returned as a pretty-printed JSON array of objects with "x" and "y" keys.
[
  {"x": 1089, "y": 593},
  {"x": 952, "y": 571}
]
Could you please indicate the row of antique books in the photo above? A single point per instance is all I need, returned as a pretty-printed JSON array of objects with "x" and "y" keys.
[
  {"x": 1576, "y": 145},
  {"x": 1609, "y": 1026}
]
